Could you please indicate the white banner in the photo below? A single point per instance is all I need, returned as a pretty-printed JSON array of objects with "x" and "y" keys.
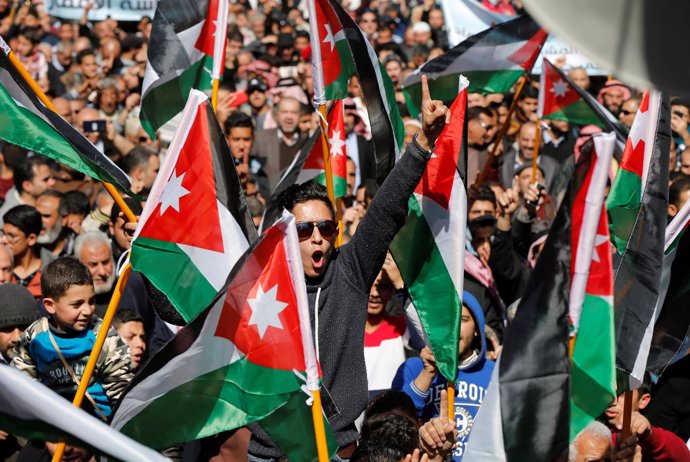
[
  {"x": 121, "y": 10},
  {"x": 465, "y": 18}
]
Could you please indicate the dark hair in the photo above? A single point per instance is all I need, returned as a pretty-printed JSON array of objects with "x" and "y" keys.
[
  {"x": 32, "y": 34},
  {"x": 529, "y": 92},
  {"x": 646, "y": 385},
  {"x": 305, "y": 192},
  {"x": 76, "y": 202},
  {"x": 474, "y": 112},
  {"x": 388, "y": 401},
  {"x": 25, "y": 218},
  {"x": 25, "y": 171},
  {"x": 483, "y": 193},
  {"x": 238, "y": 120},
  {"x": 677, "y": 188},
  {"x": 680, "y": 101},
  {"x": 124, "y": 315},
  {"x": 83, "y": 53},
  {"x": 136, "y": 157},
  {"x": 370, "y": 188},
  {"x": 391, "y": 434},
  {"x": 132, "y": 203},
  {"x": 59, "y": 275},
  {"x": 59, "y": 196}
]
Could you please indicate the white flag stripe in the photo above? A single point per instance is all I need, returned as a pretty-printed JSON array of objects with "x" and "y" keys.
[
  {"x": 485, "y": 443},
  {"x": 27, "y": 399},
  {"x": 220, "y": 39},
  {"x": 603, "y": 145}
]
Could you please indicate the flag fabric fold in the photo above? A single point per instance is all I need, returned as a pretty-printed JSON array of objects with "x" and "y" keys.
[
  {"x": 643, "y": 172},
  {"x": 26, "y": 122},
  {"x": 33, "y": 411},
  {"x": 195, "y": 224},
  {"x": 180, "y": 57},
  {"x": 492, "y": 60},
  {"x": 429, "y": 249},
  {"x": 242, "y": 360},
  {"x": 527, "y": 410},
  {"x": 336, "y": 29}
]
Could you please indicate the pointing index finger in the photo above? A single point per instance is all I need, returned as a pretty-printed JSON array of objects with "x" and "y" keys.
[
  {"x": 443, "y": 412},
  {"x": 426, "y": 96}
]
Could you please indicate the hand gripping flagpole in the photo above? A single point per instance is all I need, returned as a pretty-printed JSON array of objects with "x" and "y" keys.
[{"x": 97, "y": 347}]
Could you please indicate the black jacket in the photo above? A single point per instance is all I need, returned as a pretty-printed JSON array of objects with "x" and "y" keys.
[{"x": 342, "y": 295}]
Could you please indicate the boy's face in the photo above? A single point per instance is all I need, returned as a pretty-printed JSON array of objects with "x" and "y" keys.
[
  {"x": 74, "y": 309},
  {"x": 467, "y": 333},
  {"x": 134, "y": 335}
]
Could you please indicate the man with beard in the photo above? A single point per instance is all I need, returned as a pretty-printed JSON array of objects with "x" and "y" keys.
[
  {"x": 94, "y": 250},
  {"x": 55, "y": 237}
]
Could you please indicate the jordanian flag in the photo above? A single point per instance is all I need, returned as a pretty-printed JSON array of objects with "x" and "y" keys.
[
  {"x": 561, "y": 99},
  {"x": 30, "y": 410},
  {"x": 180, "y": 57},
  {"x": 643, "y": 172},
  {"x": 623, "y": 202},
  {"x": 244, "y": 359},
  {"x": 526, "y": 412},
  {"x": 671, "y": 337},
  {"x": 314, "y": 169},
  {"x": 334, "y": 26},
  {"x": 430, "y": 249},
  {"x": 25, "y": 121},
  {"x": 492, "y": 60},
  {"x": 593, "y": 372},
  {"x": 195, "y": 225},
  {"x": 292, "y": 175}
]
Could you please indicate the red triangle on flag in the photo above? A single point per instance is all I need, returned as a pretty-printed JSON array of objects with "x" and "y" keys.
[
  {"x": 260, "y": 314},
  {"x": 557, "y": 93},
  {"x": 527, "y": 54},
  {"x": 633, "y": 155},
  {"x": 439, "y": 176},
  {"x": 205, "y": 41},
  {"x": 336, "y": 138},
  {"x": 328, "y": 26},
  {"x": 187, "y": 212}
]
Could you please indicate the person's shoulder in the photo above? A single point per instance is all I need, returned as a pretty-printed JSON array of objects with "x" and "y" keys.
[{"x": 35, "y": 328}]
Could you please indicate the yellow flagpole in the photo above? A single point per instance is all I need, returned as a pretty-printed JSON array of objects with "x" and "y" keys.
[
  {"x": 537, "y": 143},
  {"x": 214, "y": 94},
  {"x": 451, "y": 401},
  {"x": 319, "y": 427},
  {"x": 326, "y": 155},
  {"x": 97, "y": 347},
  {"x": 49, "y": 104}
]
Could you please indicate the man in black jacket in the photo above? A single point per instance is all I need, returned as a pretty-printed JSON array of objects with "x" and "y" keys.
[{"x": 339, "y": 280}]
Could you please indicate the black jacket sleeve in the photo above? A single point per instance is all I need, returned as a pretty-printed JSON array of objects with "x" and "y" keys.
[
  {"x": 510, "y": 273},
  {"x": 386, "y": 215}
]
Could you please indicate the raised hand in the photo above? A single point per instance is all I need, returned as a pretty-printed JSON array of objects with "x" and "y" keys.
[
  {"x": 438, "y": 436},
  {"x": 435, "y": 116}
]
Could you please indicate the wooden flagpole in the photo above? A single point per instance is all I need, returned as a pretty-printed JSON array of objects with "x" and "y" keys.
[
  {"x": 326, "y": 154},
  {"x": 451, "y": 401},
  {"x": 502, "y": 133},
  {"x": 627, "y": 414},
  {"x": 97, "y": 347},
  {"x": 537, "y": 144},
  {"x": 214, "y": 94},
  {"x": 49, "y": 104},
  {"x": 319, "y": 426}
]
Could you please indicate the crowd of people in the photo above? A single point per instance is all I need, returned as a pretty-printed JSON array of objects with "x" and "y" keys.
[{"x": 63, "y": 236}]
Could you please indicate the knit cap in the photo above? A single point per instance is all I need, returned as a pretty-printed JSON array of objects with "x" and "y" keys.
[{"x": 17, "y": 306}]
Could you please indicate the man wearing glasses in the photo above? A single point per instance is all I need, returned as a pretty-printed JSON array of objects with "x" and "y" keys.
[{"x": 339, "y": 280}]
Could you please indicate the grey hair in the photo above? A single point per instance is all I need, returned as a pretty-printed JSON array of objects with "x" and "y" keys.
[
  {"x": 90, "y": 238},
  {"x": 596, "y": 429}
]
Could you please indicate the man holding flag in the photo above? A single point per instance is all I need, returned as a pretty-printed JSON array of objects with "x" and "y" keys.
[{"x": 338, "y": 280}]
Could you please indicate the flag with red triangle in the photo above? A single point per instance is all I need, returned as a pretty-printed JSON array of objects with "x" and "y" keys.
[
  {"x": 246, "y": 358},
  {"x": 195, "y": 224},
  {"x": 593, "y": 371},
  {"x": 186, "y": 49},
  {"x": 430, "y": 249},
  {"x": 492, "y": 60},
  {"x": 313, "y": 168}
]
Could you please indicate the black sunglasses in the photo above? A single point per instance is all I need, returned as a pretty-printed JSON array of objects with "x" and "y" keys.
[
  {"x": 680, "y": 114},
  {"x": 626, "y": 113},
  {"x": 327, "y": 228}
]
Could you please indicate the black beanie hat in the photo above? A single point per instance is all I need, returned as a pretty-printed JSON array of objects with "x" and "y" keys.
[{"x": 17, "y": 306}]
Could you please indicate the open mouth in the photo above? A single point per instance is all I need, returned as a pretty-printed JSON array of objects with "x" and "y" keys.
[{"x": 317, "y": 259}]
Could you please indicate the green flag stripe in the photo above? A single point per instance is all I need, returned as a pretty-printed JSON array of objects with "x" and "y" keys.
[
  {"x": 22, "y": 127},
  {"x": 623, "y": 205},
  {"x": 430, "y": 287},
  {"x": 228, "y": 397},
  {"x": 445, "y": 88},
  {"x": 338, "y": 88},
  {"x": 593, "y": 376},
  {"x": 163, "y": 101},
  {"x": 186, "y": 287},
  {"x": 577, "y": 113},
  {"x": 339, "y": 184}
]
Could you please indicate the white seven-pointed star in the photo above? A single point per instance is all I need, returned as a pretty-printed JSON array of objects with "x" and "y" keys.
[
  {"x": 598, "y": 240},
  {"x": 560, "y": 88},
  {"x": 215, "y": 27},
  {"x": 329, "y": 36},
  {"x": 265, "y": 310},
  {"x": 172, "y": 192},
  {"x": 337, "y": 144},
  {"x": 639, "y": 128}
]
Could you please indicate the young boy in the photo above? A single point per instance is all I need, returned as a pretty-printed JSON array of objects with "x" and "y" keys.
[
  {"x": 130, "y": 326},
  {"x": 55, "y": 349}
]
